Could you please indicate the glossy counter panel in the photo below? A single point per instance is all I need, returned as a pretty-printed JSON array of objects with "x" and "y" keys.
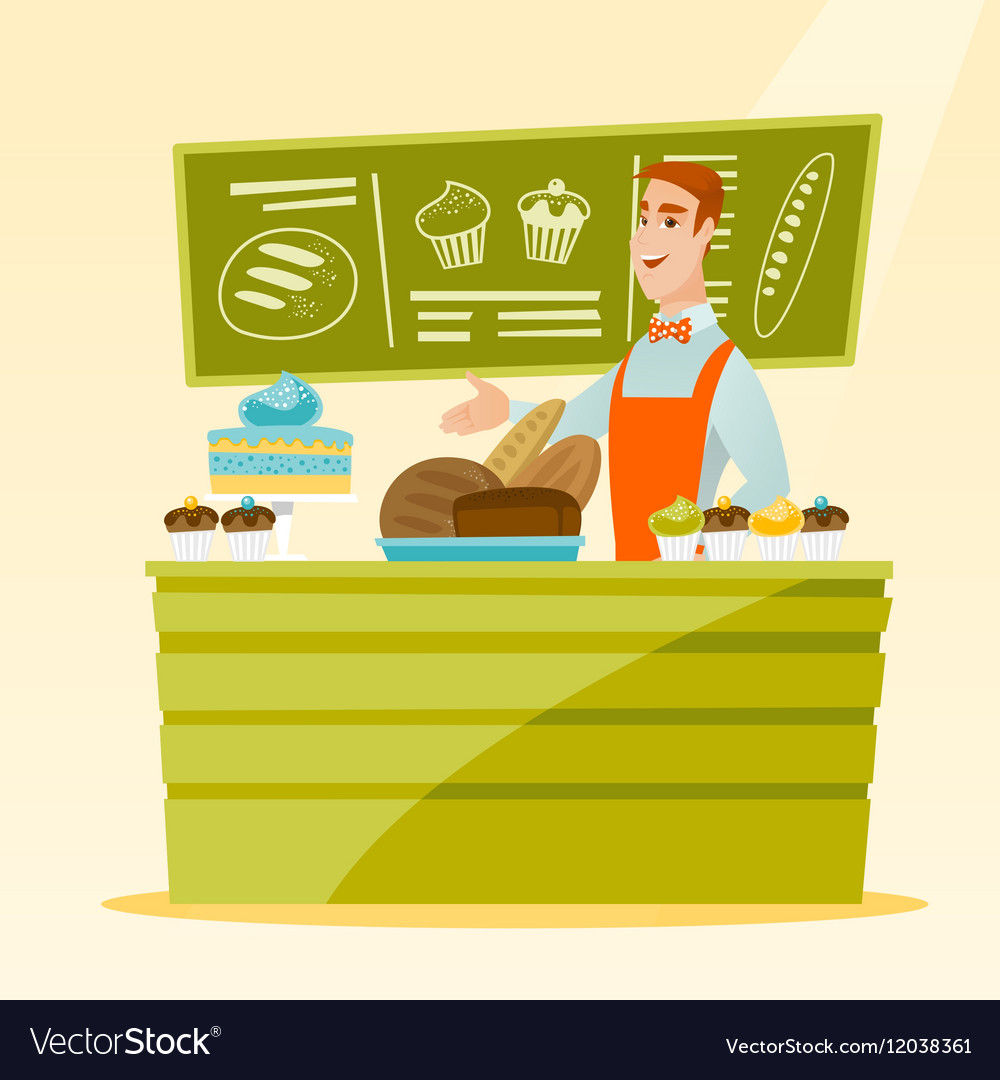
[{"x": 589, "y": 732}]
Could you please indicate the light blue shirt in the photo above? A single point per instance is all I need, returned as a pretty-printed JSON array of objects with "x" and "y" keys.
[{"x": 741, "y": 424}]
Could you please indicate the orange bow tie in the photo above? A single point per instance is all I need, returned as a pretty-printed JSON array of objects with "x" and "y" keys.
[{"x": 679, "y": 330}]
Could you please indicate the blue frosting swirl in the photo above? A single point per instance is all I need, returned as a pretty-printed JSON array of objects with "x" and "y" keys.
[{"x": 290, "y": 402}]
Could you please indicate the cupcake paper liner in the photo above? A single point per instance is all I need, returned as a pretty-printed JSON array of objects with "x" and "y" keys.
[
  {"x": 777, "y": 547},
  {"x": 249, "y": 546},
  {"x": 461, "y": 249},
  {"x": 543, "y": 243},
  {"x": 824, "y": 544},
  {"x": 193, "y": 545},
  {"x": 677, "y": 548},
  {"x": 725, "y": 546}
]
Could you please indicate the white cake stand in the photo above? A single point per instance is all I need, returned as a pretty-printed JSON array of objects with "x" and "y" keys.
[{"x": 283, "y": 505}]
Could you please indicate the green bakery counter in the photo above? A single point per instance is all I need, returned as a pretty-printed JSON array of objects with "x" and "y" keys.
[{"x": 365, "y": 732}]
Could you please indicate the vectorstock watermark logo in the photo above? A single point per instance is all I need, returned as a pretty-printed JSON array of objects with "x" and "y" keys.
[{"x": 133, "y": 1041}]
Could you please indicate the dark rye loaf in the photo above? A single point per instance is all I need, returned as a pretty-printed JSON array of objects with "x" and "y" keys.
[{"x": 517, "y": 511}]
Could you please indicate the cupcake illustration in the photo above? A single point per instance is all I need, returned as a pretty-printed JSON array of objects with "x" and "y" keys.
[
  {"x": 823, "y": 531},
  {"x": 726, "y": 530},
  {"x": 777, "y": 529},
  {"x": 191, "y": 528},
  {"x": 552, "y": 221},
  {"x": 676, "y": 529},
  {"x": 455, "y": 224},
  {"x": 248, "y": 530}
]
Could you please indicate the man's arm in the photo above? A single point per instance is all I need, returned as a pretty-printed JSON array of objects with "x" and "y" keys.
[
  {"x": 586, "y": 414},
  {"x": 743, "y": 420}
]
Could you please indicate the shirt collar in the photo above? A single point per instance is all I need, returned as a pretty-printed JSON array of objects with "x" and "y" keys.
[{"x": 701, "y": 316}]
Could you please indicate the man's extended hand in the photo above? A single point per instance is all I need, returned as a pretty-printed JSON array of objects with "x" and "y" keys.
[{"x": 489, "y": 407}]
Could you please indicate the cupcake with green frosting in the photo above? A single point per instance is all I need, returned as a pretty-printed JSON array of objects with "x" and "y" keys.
[
  {"x": 676, "y": 528},
  {"x": 455, "y": 224}
]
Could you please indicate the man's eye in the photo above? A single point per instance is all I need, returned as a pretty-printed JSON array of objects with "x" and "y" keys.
[
  {"x": 669, "y": 223},
  {"x": 643, "y": 221}
]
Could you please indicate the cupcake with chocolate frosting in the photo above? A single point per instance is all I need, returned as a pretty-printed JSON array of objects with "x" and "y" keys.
[
  {"x": 725, "y": 531},
  {"x": 823, "y": 531},
  {"x": 191, "y": 528},
  {"x": 248, "y": 530}
]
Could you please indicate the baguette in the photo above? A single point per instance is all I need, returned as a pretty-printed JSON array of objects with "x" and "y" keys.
[
  {"x": 525, "y": 440},
  {"x": 790, "y": 248}
]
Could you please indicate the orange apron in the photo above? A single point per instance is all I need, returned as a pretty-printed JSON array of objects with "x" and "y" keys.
[{"x": 655, "y": 449}]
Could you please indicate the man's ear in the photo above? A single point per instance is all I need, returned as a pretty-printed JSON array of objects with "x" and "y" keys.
[{"x": 706, "y": 232}]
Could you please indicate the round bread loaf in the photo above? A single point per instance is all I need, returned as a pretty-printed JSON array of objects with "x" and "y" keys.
[
  {"x": 571, "y": 465},
  {"x": 420, "y": 500}
]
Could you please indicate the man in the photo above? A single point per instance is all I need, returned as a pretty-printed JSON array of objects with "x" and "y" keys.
[{"x": 684, "y": 400}]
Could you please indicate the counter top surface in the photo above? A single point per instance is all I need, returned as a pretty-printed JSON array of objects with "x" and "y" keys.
[{"x": 705, "y": 571}]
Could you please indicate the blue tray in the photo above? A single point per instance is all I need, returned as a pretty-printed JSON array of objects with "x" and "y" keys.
[{"x": 482, "y": 548}]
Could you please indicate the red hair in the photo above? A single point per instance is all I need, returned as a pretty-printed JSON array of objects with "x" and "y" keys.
[{"x": 703, "y": 183}]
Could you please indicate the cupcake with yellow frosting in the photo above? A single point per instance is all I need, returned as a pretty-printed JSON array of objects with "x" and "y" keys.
[
  {"x": 676, "y": 529},
  {"x": 725, "y": 531},
  {"x": 455, "y": 224},
  {"x": 777, "y": 529}
]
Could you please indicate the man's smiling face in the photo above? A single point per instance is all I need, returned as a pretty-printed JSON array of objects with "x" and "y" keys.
[{"x": 665, "y": 248}]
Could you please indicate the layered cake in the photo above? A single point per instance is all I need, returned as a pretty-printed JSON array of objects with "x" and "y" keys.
[
  {"x": 280, "y": 447},
  {"x": 517, "y": 511}
]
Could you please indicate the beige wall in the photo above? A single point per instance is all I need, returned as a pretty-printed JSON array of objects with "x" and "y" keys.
[{"x": 104, "y": 437}]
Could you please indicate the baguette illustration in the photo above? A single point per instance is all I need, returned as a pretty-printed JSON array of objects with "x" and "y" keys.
[
  {"x": 790, "y": 247},
  {"x": 571, "y": 465},
  {"x": 525, "y": 440}
]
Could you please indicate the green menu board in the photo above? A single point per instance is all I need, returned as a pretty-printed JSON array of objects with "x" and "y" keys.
[{"x": 420, "y": 256}]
